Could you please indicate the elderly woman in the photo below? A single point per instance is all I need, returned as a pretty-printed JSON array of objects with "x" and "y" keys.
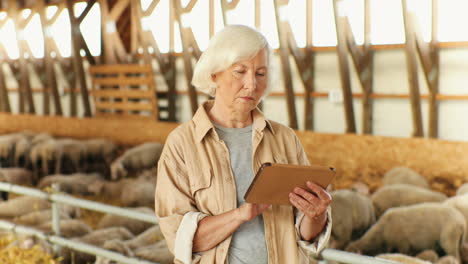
[{"x": 209, "y": 162}]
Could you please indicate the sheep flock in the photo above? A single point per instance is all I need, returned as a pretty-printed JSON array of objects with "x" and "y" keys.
[{"x": 403, "y": 221}]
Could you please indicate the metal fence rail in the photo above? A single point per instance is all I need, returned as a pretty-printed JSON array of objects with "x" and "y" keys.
[{"x": 58, "y": 198}]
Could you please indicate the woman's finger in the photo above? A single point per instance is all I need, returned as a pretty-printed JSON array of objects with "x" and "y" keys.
[
  {"x": 306, "y": 195},
  {"x": 320, "y": 192}
]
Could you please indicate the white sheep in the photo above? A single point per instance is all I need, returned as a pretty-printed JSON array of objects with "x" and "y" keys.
[
  {"x": 157, "y": 252},
  {"x": 352, "y": 214},
  {"x": 22, "y": 205},
  {"x": 130, "y": 191},
  {"x": 141, "y": 157},
  {"x": 402, "y": 258},
  {"x": 76, "y": 183},
  {"x": 68, "y": 228},
  {"x": 149, "y": 237},
  {"x": 414, "y": 228},
  {"x": 39, "y": 217},
  {"x": 428, "y": 255},
  {"x": 133, "y": 225},
  {"x": 460, "y": 202},
  {"x": 95, "y": 238},
  {"x": 396, "y": 195},
  {"x": 100, "y": 150},
  {"x": 403, "y": 175},
  {"x": 462, "y": 189},
  {"x": 448, "y": 260}
]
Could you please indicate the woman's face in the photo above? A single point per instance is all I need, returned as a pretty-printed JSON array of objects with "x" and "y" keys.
[{"x": 242, "y": 85}]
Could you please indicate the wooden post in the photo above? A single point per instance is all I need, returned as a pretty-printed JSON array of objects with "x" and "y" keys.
[
  {"x": 4, "y": 99},
  {"x": 187, "y": 56},
  {"x": 226, "y": 6},
  {"x": 429, "y": 57},
  {"x": 24, "y": 89},
  {"x": 362, "y": 58},
  {"x": 412, "y": 73},
  {"x": 78, "y": 63},
  {"x": 286, "y": 67},
  {"x": 50, "y": 87},
  {"x": 344, "y": 70}
]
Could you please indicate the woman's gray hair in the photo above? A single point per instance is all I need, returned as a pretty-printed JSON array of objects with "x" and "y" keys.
[{"x": 230, "y": 45}]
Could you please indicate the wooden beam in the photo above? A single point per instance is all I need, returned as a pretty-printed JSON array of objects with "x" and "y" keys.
[
  {"x": 118, "y": 9},
  {"x": 86, "y": 11},
  {"x": 344, "y": 70},
  {"x": 4, "y": 98},
  {"x": 412, "y": 74},
  {"x": 26, "y": 102},
  {"x": 151, "y": 8},
  {"x": 227, "y": 6},
  {"x": 78, "y": 63},
  {"x": 286, "y": 68}
]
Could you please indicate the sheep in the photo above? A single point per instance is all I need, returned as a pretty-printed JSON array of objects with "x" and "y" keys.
[
  {"x": 76, "y": 183},
  {"x": 138, "y": 192},
  {"x": 150, "y": 236},
  {"x": 352, "y": 214},
  {"x": 157, "y": 252},
  {"x": 401, "y": 258},
  {"x": 98, "y": 150},
  {"x": 24, "y": 146},
  {"x": 447, "y": 260},
  {"x": 141, "y": 157},
  {"x": 414, "y": 228},
  {"x": 17, "y": 176},
  {"x": 133, "y": 225},
  {"x": 396, "y": 195},
  {"x": 7, "y": 148},
  {"x": 22, "y": 205},
  {"x": 462, "y": 189},
  {"x": 39, "y": 217},
  {"x": 56, "y": 151},
  {"x": 459, "y": 202},
  {"x": 428, "y": 255},
  {"x": 96, "y": 238},
  {"x": 403, "y": 175},
  {"x": 68, "y": 228}
]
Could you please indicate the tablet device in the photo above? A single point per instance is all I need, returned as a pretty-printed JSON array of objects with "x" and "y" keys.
[{"x": 273, "y": 182}]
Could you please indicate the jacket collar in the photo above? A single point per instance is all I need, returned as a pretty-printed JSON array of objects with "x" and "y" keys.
[{"x": 203, "y": 123}]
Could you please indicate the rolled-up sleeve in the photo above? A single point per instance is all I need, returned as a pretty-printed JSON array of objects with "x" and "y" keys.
[
  {"x": 174, "y": 206},
  {"x": 313, "y": 249}
]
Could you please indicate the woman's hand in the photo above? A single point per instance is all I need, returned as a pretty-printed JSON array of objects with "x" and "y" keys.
[
  {"x": 249, "y": 211},
  {"x": 313, "y": 202}
]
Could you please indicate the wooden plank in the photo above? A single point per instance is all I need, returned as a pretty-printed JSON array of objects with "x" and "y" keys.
[
  {"x": 116, "y": 69},
  {"x": 122, "y": 93},
  {"x": 85, "y": 12},
  {"x": 118, "y": 9},
  {"x": 122, "y": 81},
  {"x": 128, "y": 106},
  {"x": 344, "y": 71},
  {"x": 151, "y": 8}
]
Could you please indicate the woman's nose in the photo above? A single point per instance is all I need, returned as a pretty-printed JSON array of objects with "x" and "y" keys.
[{"x": 251, "y": 81}]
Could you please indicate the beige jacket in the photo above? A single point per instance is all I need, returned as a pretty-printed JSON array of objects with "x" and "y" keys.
[{"x": 195, "y": 180}]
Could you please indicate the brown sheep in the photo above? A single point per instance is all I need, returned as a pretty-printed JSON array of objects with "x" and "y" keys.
[
  {"x": 144, "y": 156},
  {"x": 39, "y": 217},
  {"x": 133, "y": 225},
  {"x": 414, "y": 228},
  {"x": 396, "y": 195},
  {"x": 352, "y": 214},
  {"x": 403, "y": 175}
]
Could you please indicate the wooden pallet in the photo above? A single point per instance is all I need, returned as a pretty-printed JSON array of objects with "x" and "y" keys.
[{"x": 124, "y": 90}]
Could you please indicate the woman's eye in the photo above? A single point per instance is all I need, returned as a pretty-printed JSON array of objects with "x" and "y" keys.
[{"x": 261, "y": 73}]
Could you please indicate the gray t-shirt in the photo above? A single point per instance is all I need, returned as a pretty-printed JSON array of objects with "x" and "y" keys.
[{"x": 248, "y": 241}]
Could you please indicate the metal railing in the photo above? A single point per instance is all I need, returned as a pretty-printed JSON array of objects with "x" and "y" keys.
[{"x": 57, "y": 198}]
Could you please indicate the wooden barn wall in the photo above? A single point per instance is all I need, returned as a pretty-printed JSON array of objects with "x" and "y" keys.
[{"x": 356, "y": 157}]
